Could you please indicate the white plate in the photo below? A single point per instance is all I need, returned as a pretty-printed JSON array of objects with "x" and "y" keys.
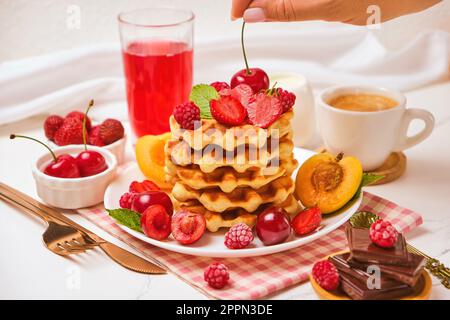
[{"x": 211, "y": 244}]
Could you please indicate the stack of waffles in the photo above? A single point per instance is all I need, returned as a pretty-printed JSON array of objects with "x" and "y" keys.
[{"x": 230, "y": 174}]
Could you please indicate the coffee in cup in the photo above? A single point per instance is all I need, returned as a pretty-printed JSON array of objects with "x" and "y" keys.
[
  {"x": 368, "y": 123},
  {"x": 362, "y": 102}
]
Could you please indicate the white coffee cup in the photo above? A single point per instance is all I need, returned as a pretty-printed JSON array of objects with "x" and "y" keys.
[{"x": 369, "y": 136}]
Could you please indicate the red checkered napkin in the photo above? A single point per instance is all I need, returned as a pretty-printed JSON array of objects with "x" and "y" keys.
[{"x": 257, "y": 277}]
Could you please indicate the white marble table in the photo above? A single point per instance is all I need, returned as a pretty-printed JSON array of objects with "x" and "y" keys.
[{"x": 29, "y": 271}]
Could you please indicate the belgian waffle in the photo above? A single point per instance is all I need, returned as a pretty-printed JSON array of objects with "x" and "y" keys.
[
  {"x": 226, "y": 178},
  {"x": 243, "y": 197},
  {"x": 226, "y": 219},
  {"x": 213, "y": 133},
  {"x": 240, "y": 159}
]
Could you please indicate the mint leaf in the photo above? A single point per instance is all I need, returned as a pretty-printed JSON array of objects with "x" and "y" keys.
[
  {"x": 201, "y": 95},
  {"x": 367, "y": 179},
  {"x": 126, "y": 217}
]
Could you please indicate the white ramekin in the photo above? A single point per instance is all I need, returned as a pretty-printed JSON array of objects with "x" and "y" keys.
[
  {"x": 77, "y": 192},
  {"x": 117, "y": 148}
]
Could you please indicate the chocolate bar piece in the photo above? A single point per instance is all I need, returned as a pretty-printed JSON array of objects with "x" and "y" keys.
[
  {"x": 363, "y": 250},
  {"x": 354, "y": 282},
  {"x": 408, "y": 275}
]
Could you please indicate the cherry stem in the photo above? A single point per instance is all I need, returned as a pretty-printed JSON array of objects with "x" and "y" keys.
[
  {"x": 13, "y": 136},
  {"x": 91, "y": 103},
  {"x": 272, "y": 90},
  {"x": 243, "y": 48}
]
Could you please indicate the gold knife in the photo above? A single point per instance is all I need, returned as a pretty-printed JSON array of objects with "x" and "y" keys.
[{"x": 119, "y": 255}]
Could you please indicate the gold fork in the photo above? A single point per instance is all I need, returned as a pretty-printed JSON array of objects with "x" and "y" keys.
[
  {"x": 59, "y": 237},
  {"x": 437, "y": 268},
  {"x": 363, "y": 219}
]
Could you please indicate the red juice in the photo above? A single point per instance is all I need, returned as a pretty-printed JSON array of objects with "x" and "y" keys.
[{"x": 158, "y": 77}]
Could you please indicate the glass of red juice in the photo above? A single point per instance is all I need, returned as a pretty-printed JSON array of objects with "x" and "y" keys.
[{"x": 157, "y": 51}]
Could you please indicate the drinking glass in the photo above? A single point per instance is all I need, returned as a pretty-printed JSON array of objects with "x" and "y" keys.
[{"x": 157, "y": 51}]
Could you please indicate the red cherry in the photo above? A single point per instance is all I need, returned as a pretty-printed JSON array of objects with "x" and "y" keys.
[
  {"x": 257, "y": 79},
  {"x": 143, "y": 200},
  {"x": 272, "y": 226},
  {"x": 155, "y": 222},
  {"x": 65, "y": 166},
  {"x": 188, "y": 227},
  {"x": 91, "y": 163}
]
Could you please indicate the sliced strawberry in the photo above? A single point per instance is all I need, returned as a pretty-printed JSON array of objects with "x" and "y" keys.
[
  {"x": 307, "y": 221},
  {"x": 146, "y": 185},
  {"x": 263, "y": 110},
  {"x": 243, "y": 93},
  {"x": 228, "y": 110}
]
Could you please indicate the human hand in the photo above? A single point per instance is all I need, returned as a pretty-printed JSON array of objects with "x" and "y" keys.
[{"x": 347, "y": 11}]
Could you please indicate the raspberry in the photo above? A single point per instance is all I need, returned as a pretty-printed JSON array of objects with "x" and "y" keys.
[
  {"x": 287, "y": 99},
  {"x": 216, "y": 274},
  {"x": 186, "y": 114},
  {"x": 71, "y": 132},
  {"x": 80, "y": 116},
  {"x": 111, "y": 130},
  {"x": 228, "y": 110},
  {"x": 383, "y": 234},
  {"x": 51, "y": 125},
  {"x": 126, "y": 199},
  {"x": 326, "y": 275},
  {"x": 263, "y": 110},
  {"x": 219, "y": 86},
  {"x": 238, "y": 236},
  {"x": 94, "y": 137}
]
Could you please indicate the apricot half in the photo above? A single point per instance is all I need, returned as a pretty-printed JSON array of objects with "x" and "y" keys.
[
  {"x": 327, "y": 181},
  {"x": 151, "y": 159}
]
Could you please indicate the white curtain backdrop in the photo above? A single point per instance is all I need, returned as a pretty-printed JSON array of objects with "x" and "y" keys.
[{"x": 332, "y": 54}]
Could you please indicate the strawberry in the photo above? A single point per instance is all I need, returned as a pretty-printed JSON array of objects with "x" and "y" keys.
[
  {"x": 80, "y": 115},
  {"x": 228, "y": 110},
  {"x": 51, "y": 125},
  {"x": 94, "y": 137},
  {"x": 307, "y": 221},
  {"x": 243, "y": 93},
  {"x": 111, "y": 130},
  {"x": 146, "y": 185},
  {"x": 71, "y": 132},
  {"x": 263, "y": 110}
]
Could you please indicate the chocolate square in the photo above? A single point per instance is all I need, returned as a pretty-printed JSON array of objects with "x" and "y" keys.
[
  {"x": 408, "y": 275},
  {"x": 354, "y": 282},
  {"x": 363, "y": 250}
]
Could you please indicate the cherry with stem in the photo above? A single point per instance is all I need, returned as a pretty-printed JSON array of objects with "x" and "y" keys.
[
  {"x": 62, "y": 166},
  {"x": 90, "y": 162},
  {"x": 256, "y": 78}
]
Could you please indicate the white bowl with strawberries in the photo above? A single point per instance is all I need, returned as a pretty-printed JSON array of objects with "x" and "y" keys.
[
  {"x": 109, "y": 134},
  {"x": 72, "y": 176}
]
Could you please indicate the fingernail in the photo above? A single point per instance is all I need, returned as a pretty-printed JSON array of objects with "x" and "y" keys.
[{"x": 254, "y": 15}]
